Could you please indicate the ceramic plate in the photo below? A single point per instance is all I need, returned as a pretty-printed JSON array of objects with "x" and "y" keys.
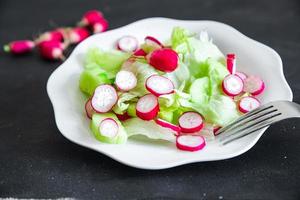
[{"x": 68, "y": 101}]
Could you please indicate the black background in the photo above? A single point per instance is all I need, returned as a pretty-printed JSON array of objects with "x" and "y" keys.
[{"x": 36, "y": 161}]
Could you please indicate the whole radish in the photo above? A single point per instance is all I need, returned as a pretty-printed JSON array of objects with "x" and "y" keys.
[
  {"x": 91, "y": 17},
  {"x": 19, "y": 47},
  {"x": 57, "y": 35},
  {"x": 100, "y": 26},
  {"x": 51, "y": 50},
  {"x": 77, "y": 35},
  {"x": 165, "y": 60}
]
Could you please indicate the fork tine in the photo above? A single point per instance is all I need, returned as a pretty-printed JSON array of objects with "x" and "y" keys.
[
  {"x": 261, "y": 111},
  {"x": 249, "y": 123},
  {"x": 249, "y": 126}
]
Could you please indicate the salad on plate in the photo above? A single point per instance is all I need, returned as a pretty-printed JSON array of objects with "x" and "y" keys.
[{"x": 181, "y": 90}]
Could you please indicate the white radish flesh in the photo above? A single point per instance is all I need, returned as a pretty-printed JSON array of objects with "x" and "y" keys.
[
  {"x": 247, "y": 104},
  {"x": 127, "y": 44},
  {"x": 254, "y": 85},
  {"x": 104, "y": 98},
  {"x": 147, "y": 107},
  {"x": 190, "y": 142},
  {"x": 125, "y": 80},
  {"x": 232, "y": 85},
  {"x": 159, "y": 85},
  {"x": 190, "y": 122},
  {"x": 109, "y": 128}
]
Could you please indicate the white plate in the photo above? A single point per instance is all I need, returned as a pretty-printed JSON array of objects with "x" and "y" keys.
[{"x": 68, "y": 101}]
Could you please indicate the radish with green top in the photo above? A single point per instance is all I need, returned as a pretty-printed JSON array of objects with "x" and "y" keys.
[
  {"x": 190, "y": 142},
  {"x": 19, "y": 47},
  {"x": 190, "y": 122},
  {"x": 159, "y": 85},
  {"x": 104, "y": 98},
  {"x": 147, "y": 107}
]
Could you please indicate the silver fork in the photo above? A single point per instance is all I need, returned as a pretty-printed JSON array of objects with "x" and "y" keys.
[{"x": 257, "y": 119}]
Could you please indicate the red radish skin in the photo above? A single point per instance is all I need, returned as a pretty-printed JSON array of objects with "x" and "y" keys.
[
  {"x": 123, "y": 117},
  {"x": 190, "y": 142},
  {"x": 104, "y": 98},
  {"x": 19, "y": 47},
  {"x": 159, "y": 85},
  {"x": 165, "y": 60},
  {"x": 216, "y": 128},
  {"x": 231, "y": 63},
  {"x": 140, "y": 52},
  {"x": 169, "y": 125},
  {"x": 100, "y": 26},
  {"x": 247, "y": 104},
  {"x": 78, "y": 34},
  {"x": 152, "y": 41},
  {"x": 51, "y": 50},
  {"x": 190, "y": 122},
  {"x": 242, "y": 75},
  {"x": 89, "y": 109},
  {"x": 109, "y": 128},
  {"x": 125, "y": 80},
  {"x": 232, "y": 85},
  {"x": 147, "y": 107},
  {"x": 57, "y": 35},
  {"x": 127, "y": 44},
  {"x": 254, "y": 85},
  {"x": 91, "y": 17}
]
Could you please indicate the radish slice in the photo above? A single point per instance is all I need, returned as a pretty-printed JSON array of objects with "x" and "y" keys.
[
  {"x": 216, "y": 128},
  {"x": 242, "y": 75},
  {"x": 152, "y": 41},
  {"x": 109, "y": 128},
  {"x": 127, "y": 44},
  {"x": 231, "y": 63},
  {"x": 159, "y": 85},
  {"x": 125, "y": 80},
  {"x": 190, "y": 142},
  {"x": 190, "y": 122},
  {"x": 232, "y": 85},
  {"x": 140, "y": 52},
  {"x": 89, "y": 109},
  {"x": 165, "y": 60},
  {"x": 169, "y": 125},
  {"x": 254, "y": 85},
  {"x": 147, "y": 107},
  {"x": 104, "y": 98},
  {"x": 247, "y": 104}
]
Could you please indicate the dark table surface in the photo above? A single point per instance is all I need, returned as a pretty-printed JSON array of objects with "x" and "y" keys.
[{"x": 36, "y": 161}]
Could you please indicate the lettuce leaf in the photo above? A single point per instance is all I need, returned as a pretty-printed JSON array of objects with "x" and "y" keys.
[
  {"x": 124, "y": 101},
  {"x": 150, "y": 129}
]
